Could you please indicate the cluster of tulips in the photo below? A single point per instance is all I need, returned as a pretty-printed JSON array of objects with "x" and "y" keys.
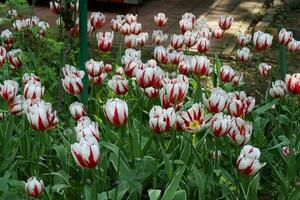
[{"x": 224, "y": 113}]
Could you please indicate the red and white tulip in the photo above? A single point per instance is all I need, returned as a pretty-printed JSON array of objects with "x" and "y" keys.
[
  {"x": 220, "y": 124},
  {"x": 161, "y": 54},
  {"x": 159, "y": 37},
  {"x": 243, "y": 38},
  {"x": 217, "y": 32},
  {"x": 97, "y": 19},
  {"x": 278, "y": 89},
  {"x": 116, "y": 111},
  {"x": 105, "y": 41},
  {"x": 284, "y": 37},
  {"x": 262, "y": 41},
  {"x": 264, "y": 69},
  {"x": 118, "y": 84},
  {"x": 226, "y": 73},
  {"x": 9, "y": 90},
  {"x": 203, "y": 45},
  {"x": 14, "y": 58},
  {"x": 240, "y": 131},
  {"x": 225, "y": 22},
  {"x": 244, "y": 54},
  {"x": 293, "y": 45},
  {"x": 190, "y": 38},
  {"x": 217, "y": 100},
  {"x": 200, "y": 65},
  {"x": 77, "y": 110},
  {"x": 293, "y": 83},
  {"x": 177, "y": 41},
  {"x": 161, "y": 120},
  {"x": 34, "y": 187},
  {"x": 33, "y": 90},
  {"x": 160, "y": 19}
]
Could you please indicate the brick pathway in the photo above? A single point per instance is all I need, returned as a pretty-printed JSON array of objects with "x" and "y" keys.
[{"x": 243, "y": 11}]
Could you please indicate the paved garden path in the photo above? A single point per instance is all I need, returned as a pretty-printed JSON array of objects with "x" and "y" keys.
[{"x": 243, "y": 11}]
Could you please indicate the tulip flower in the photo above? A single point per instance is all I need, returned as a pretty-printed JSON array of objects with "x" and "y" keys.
[
  {"x": 217, "y": 100},
  {"x": 160, "y": 19},
  {"x": 244, "y": 54},
  {"x": 97, "y": 19},
  {"x": 135, "y": 28},
  {"x": 43, "y": 26},
  {"x": 262, "y": 41},
  {"x": 41, "y": 117},
  {"x": 125, "y": 29},
  {"x": 7, "y": 38},
  {"x": 243, "y": 38},
  {"x": 149, "y": 77},
  {"x": 119, "y": 71},
  {"x": 33, "y": 187},
  {"x": 284, "y": 37},
  {"x": 132, "y": 66},
  {"x": 17, "y": 25},
  {"x": 161, "y": 120},
  {"x": 86, "y": 153},
  {"x": 74, "y": 5},
  {"x": 90, "y": 130},
  {"x": 248, "y": 160},
  {"x": 201, "y": 24},
  {"x": 9, "y": 90},
  {"x": 33, "y": 90},
  {"x": 77, "y": 110},
  {"x": 73, "y": 83},
  {"x": 226, "y": 73},
  {"x": 175, "y": 57},
  {"x": 116, "y": 111},
  {"x": 116, "y": 25},
  {"x": 235, "y": 98},
  {"x": 203, "y": 45},
  {"x": 14, "y": 58},
  {"x": 159, "y": 37},
  {"x": 98, "y": 80},
  {"x": 105, "y": 41},
  {"x": 161, "y": 54},
  {"x": 200, "y": 65},
  {"x": 217, "y": 32},
  {"x": 94, "y": 68},
  {"x": 240, "y": 131},
  {"x": 130, "y": 41},
  {"x": 225, "y": 22},
  {"x": 286, "y": 150},
  {"x": 177, "y": 41},
  {"x": 238, "y": 79},
  {"x": 204, "y": 32},
  {"x": 12, "y": 13},
  {"x": 82, "y": 122},
  {"x": 293, "y": 83},
  {"x": 55, "y": 6},
  {"x": 220, "y": 124},
  {"x": 118, "y": 84},
  {"x": 17, "y": 105},
  {"x": 190, "y": 38},
  {"x": 293, "y": 45},
  {"x": 189, "y": 16},
  {"x": 278, "y": 89},
  {"x": 174, "y": 92},
  {"x": 130, "y": 18},
  {"x": 235, "y": 107},
  {"x": 264, "y": 69},
  {"x": 2, "y": 55},
  {"x": 151, "y": 92},
  {"x": 184, "y": 66},
  {"x": 185, "y": 25},
  {"x": 142, "y": 38},
  {"x": 107, "y": 68},
  {"x": 192, "y": 119},
  {"x": 30, "y": 77}
]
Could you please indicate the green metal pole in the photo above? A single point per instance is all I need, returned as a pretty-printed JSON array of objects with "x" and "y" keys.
[{"x": 83, "y": 47}]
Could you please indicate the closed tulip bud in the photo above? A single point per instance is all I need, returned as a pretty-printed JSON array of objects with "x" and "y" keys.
[
  {"x": 160, "y": 19},
  {"x": 73, "y": 84},
  {"x": 235, "y": 107},
  {"x": 161, "y": 54},
  {"x": 135, "y": 28},
  {"x": 94, "y": 68},
  {"x": 264, "y": 69},
  {"x": 107, "y": 68},
  {"x": 41, "y": 117},
  {"x": 174, "y": 92},
  {"x": 118, "y": 84},
  {"x": 203, "y": 45},
  {"x": 77, "y": 110},
  {"x": 226, "y": 73},
  {"x": 238, "y": 79},
  {"x": 177, "y": 41},
  {"x": 220, "y": 124},
  {"x": 225, "y": 22},
  {"x": 115, "y": 25},
  {"x": 151, "y": 92},
  {"x": 2, "y": 55},
  {"x": 33, "y": 90},
  {"x": 293, "y": 45},
  {"x": 30, "y": 77},
  {"x": 142, "y": 38},
  {"x": 116, "y": 111},
  {"x": 17, "y": 105},
  {"x": 7, "y": 38},
  {"x": 293, "y": 83},
  {"x": 130, "y": 18},
  {"x": 149, "y": 77},
  {"x": 86, "y": 153},
  {"x": 161, "y": 120},
  {"x": 90, "y": 130},
  {"x": 33, "y": 187},
  {"x": 200, "y": 65},
  {"x": 131, "y": 41},
  {"x": 192, "y": 119},
  {"x": 105, "y": 41},
  {"x": 97, "y": 19},
  {"x": 248, "y": 161},
  {"x": 14, "y": 58},
  {"x": 9, "y": 90},
  {"x": 278, "y": 89},
  {"x": 189, "y": 16},
  {"x": 98, "y": 80},
  {"x": 244, "y": 54},
  {"x": 131, "y": 67},
  {"x": 240, "y": 131},
  {"x": 175, "y": 57},
  {"x": 185, "y": 25},
  {"x": 159, "y": 37},
  {"x": 125, "y": 29},
  {"x": 55, "y": 6},
  {"x": 184, "y": 66},
  {"x": 190, "y": 38},
  {"x": 243, "y": 38},
  {"x": 217, "y": 32},
  {"x": 217, "y": 100},
  {"x": 284, "y": 37},
  {"x": 286, "y": 151},
  {"x": 262, "y": 41}
]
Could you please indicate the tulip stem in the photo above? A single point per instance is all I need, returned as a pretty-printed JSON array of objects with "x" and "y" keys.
[{"x": 118, "y": 172}]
